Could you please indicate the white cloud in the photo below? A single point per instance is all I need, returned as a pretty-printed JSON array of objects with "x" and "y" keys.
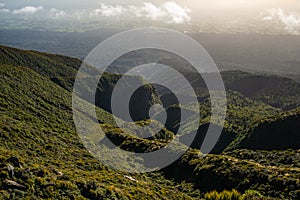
[
  {"x": 51, "y": 13},
  {"x": 176, "y": 13},
  {"x": 55, "y": 13},
  {"x": 110, "y": 11},
  {"x": 291, "y": 21},
  {"x": 28, "y": 10},
  {"x": 2, "y": 9},
  {"x": 149, "y": 10},
  {"x": 170, "y": 12}
]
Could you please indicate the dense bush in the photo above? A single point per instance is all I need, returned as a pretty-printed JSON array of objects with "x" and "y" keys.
[{"x": 36, "y": 126}]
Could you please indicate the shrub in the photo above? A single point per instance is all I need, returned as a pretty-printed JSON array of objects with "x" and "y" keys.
[{"x": 225, "y": 195}]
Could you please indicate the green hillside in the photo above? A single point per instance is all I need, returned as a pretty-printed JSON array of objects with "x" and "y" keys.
[
  {"x": 242, "y": 170},
  {"x": 37, "y": 129},
  {"x": 280, "y": 132},
  {"x": 276, "y": 91}
]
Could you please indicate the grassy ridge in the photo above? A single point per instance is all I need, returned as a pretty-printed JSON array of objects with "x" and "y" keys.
[{"x": 37, "y": 127}]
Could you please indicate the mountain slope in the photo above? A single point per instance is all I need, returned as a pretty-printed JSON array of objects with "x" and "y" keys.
[
  {"x": 227, "y": 171},
  {"x": 56, "y": 67},
  {"x": 37, "y": 127},
  {"x": 62, "y": 70},
  {"x": 277, "y": 133},
  {"x": 276, "y": 91}
]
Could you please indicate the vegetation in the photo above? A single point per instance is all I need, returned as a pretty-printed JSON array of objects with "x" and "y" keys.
[
  {"x": 37, "y": 128},
  {"x": 227, "y": 172},
  {"x": 42, "y": 156}
]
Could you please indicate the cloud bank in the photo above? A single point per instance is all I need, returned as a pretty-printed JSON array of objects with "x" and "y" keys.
[
  {"x": 28, "y": 10},
  {"x": 110, "y": 11},
  {"x": 291, "y": 21},
  {"x": 55, "y": 13},
  {"x": 2, "y": 9},
  {"x": 169, "y": 12}
]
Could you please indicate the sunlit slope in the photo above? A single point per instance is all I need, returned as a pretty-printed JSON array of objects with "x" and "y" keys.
[{"x": 37, "y": 127}]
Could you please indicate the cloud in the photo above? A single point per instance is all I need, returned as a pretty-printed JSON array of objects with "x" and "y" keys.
[
  {"x": 170, "y": 12},
  {"x": 149, "y": 10},
  {"x": 176, "y": 13},
  {"x": 291, "y": 21},
  {"x": 2, "y": 9},
  {"x": 110, "y": 11},
  {"x": 28, "y": 10},
  {"x": 51, "y": 13},
  {"x": 55, "y": 13}
]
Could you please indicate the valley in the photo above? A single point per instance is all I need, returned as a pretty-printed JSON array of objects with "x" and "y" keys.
[{"x": 256, "y": 157}]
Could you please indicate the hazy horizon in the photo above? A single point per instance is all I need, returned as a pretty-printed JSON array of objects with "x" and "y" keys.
[{"x": 254, "y": 16}]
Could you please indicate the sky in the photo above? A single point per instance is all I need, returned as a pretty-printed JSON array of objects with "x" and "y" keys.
[
  {"x": 196, "y": 4},
  {"x": 284, "y": 12}
]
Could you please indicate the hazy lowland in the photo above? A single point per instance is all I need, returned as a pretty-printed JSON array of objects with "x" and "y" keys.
[{"x": 256, "y": 157}]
